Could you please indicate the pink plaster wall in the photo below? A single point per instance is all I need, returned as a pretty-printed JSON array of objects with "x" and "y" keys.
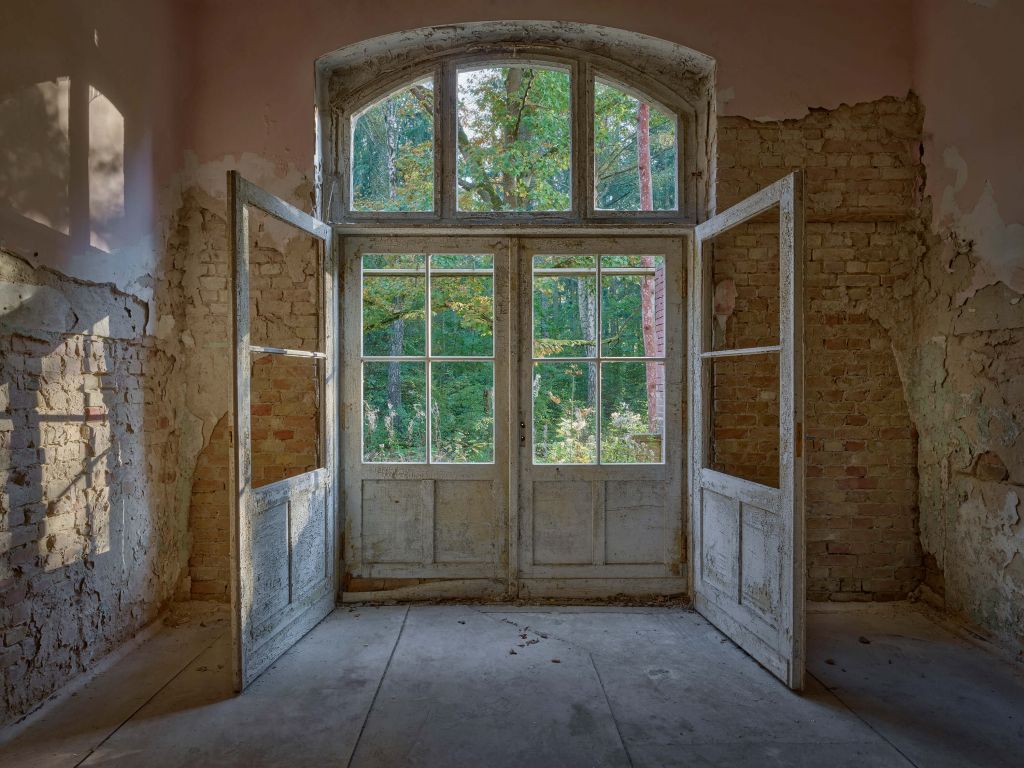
[
  {"x": 775, "y": 59},
  {"x": 131, "y": 52},
  {"x": 969, "y": 72}
]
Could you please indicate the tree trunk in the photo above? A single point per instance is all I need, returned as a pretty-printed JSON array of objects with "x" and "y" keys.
[
  {"x": 397, "y": 334},
  {"x": 586, "y": 302},
  {"x": 647, "y": 308},
  {"x": 391, "y": 140},
  {"x": 509, "y": 182}
]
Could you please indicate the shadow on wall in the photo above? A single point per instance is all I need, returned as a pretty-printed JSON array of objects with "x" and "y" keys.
[
  {"x": 62, "y": 163},
  {"x": 87, "y": 451},
  {"x": 91, "y": 540}
]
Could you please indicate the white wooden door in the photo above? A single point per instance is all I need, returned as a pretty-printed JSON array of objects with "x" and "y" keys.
[
  {"x": 425, "y": 413},
  {"x": 283, "y": 549},
  {"x": 746, "y": 416},
  {"x": 600, "y": 414}
]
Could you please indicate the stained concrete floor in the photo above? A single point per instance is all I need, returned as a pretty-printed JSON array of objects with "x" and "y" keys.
[{"x": 491, "y": 686}]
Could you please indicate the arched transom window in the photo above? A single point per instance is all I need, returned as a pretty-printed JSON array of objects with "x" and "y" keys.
[{"x": 507, "y": 132}]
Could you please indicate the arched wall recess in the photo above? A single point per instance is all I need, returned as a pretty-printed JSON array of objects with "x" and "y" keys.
[{"x": 679, "y": 78}]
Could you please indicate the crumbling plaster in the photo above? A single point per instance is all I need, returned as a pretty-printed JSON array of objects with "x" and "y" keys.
[
  {"x": 195, "y": 107},
  {"x": 963, "y": 354}
]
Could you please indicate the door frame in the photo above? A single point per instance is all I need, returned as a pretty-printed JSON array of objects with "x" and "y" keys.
[
  {"x": 600, "y": 578},
  {"x": 513, "y": 236},
  {"x": 779, "y": 648},
  {"x": 302, "y": 610},
  {"x": 350, "y": 247}
]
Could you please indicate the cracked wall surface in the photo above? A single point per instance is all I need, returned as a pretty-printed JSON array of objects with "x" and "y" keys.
[
  {"x": 92, "y": 543},
  {"x": 862, "y": 172},
  {"x": 964, "y": 351},
  {"x": 114, "y": 315},
  {"x": 95, "y": 453}
]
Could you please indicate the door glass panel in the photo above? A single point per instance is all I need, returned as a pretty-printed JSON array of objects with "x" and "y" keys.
[
  {"x": 564, "y": 413},
  {"x": 635, "y": 152},
  {"x": 564, "y": 315},
  {"x": 393, "y": 152},
  {"x": 744, "y": 307},
  {"x": 632, "y": 306},
  {"x": 393, "y": 304},
  {"x": 449, "y": 377},
  {"x": 565, "y": 261},
  {"x": 394, "y": 411},
  {"x": 403, "y": 261},
  {"x": 744, "y": 408},
  {"x": 462, "y": 412},
  {"x": 514, "y": 139},
  {"x": 462, "y": 320},
  {"x": 473, "y": 261},
  {"x": 632, "y": 412},
  {"x": 632, "y": 325}
]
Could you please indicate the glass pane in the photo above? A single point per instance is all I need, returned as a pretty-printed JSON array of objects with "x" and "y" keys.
[
  {"x": 394, "y": 261},
  {"x": 565, "y": 261},
  {"x": 285, "y": 417},
  {"x": 744, "y": 403},
  {"x": 514, "y": 138},
  {"x": 393, "y": 320},
  {"x": 633, "y": 315},
  {"x": 634, "y": 153},
  {"x": 393, "y": 152},
  {"x": 462, "y": 320},
  {"x": 462, "y": 412},
  {"x": 744, "y": 309},
  {"x": 394, "y": 411},
  {"x": 565, "y": 316},
  {"x": 632, "y": 413},
  {"x": 564, "y": 423},
  {"x": 462, "y": 261},
  {"x": 632, "y": 261}
]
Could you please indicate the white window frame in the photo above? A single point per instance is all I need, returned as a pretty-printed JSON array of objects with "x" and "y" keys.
[
  {"x": 584, "y": 68},
  {"x": 428, "y": 357}
]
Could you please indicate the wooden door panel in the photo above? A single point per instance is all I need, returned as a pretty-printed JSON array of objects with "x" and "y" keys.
[
  {"x": 608, "y": 526},
  {"x": 748, "y": 537},
  {"x": 283, "y": 550}
]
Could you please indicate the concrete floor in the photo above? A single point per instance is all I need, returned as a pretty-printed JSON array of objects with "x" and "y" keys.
[{"x": 490, "y": 686}]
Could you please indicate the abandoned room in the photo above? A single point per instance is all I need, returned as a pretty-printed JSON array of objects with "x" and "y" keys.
[{"x": 477, "y": 383}]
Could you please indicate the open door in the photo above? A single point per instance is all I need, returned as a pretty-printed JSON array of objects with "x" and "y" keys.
[
  {"x": 746, "y": 418},
  {"x": 283, "y": 552}
]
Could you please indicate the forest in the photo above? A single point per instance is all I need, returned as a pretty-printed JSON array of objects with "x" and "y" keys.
[{"x": 513, "y": 154}]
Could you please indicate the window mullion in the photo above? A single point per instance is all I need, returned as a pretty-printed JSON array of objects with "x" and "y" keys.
[
  {"x": 447, "y": 138},
  {"x": 428, "y": 310},
  {"x": 597, "y": 357}
]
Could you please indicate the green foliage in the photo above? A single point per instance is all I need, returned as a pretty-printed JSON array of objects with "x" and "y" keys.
[
  {"x": 393, "y": 152},
  {"x": 514, "y": 137},
  {"x": 616, "y": 116}
]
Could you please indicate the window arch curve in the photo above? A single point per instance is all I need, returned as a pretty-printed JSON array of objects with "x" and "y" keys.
[{"x": 514, "y": 122}]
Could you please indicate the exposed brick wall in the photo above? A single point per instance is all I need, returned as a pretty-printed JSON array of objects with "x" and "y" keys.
[
  {"x": 862, "y": 171},
  {"x": 91, "y": 545}
]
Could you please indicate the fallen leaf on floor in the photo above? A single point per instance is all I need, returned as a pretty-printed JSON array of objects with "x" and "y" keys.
[
  {"x": 512, "y": 652},
  {"x": 864, "y": 640}
]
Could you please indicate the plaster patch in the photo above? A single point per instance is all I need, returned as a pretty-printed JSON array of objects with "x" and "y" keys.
[{"x": 998, "y": 246}]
